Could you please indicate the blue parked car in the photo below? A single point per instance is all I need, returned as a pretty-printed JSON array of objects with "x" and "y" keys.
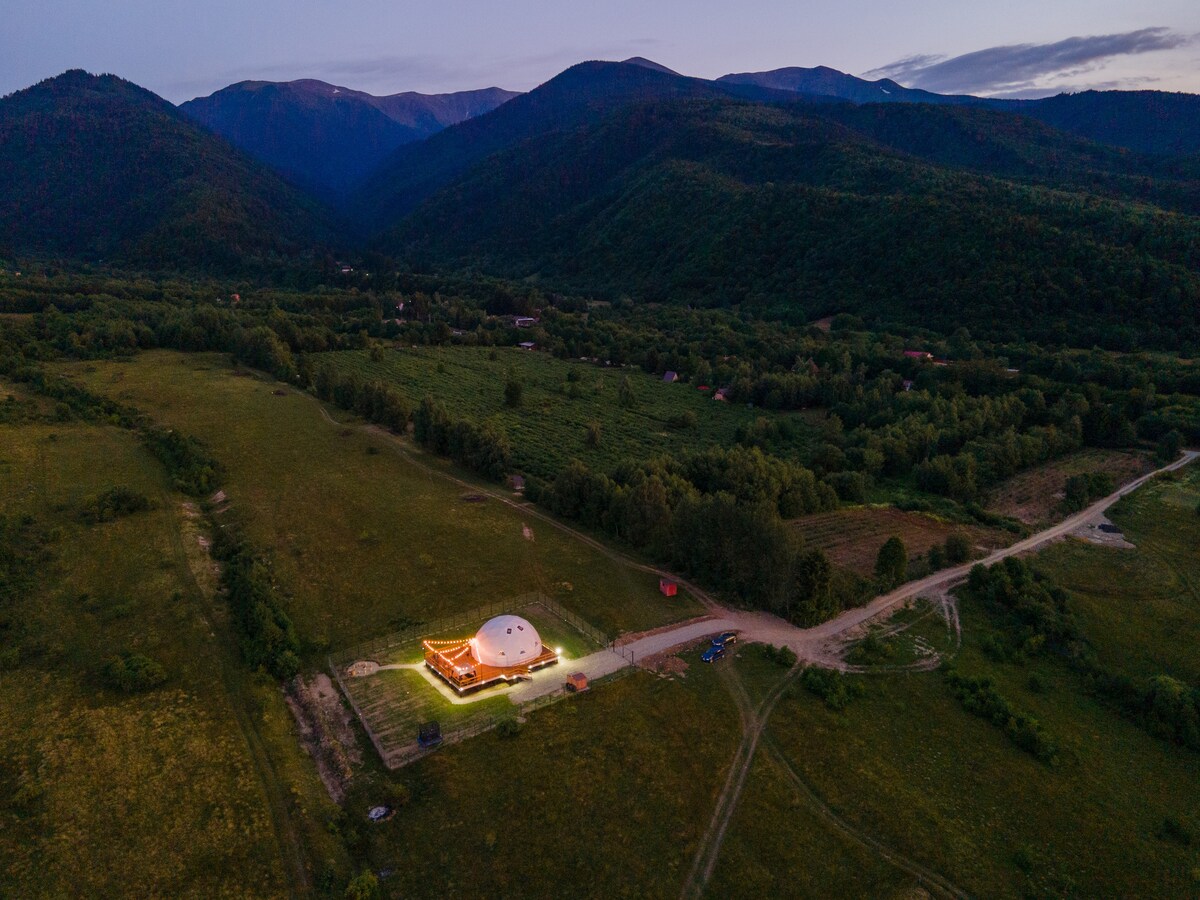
[
  {"x": 723, "y": 640},
  {"x": 712, "y": 654}
]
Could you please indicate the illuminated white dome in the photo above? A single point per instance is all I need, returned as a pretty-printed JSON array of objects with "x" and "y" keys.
[{"x": 506, "y": 641}]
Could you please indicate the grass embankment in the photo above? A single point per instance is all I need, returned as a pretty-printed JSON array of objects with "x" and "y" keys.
[
  {"x": 909, "y": 767},
  {"x": 550, "y": 427},
  {"x": 363, "y": 541},
  {"x": 176, "y": 790}
]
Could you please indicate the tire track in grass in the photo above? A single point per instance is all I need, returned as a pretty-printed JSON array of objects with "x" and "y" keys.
[
  {"x": 292, "y": 853},
  {"x": 931, "y": 880},
  {"x": 754, "y": 723}
]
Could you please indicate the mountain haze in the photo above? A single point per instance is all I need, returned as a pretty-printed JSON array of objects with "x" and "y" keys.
[
  {"x": 1146, "y": 121},
  {"x": 328, "y": 138}
]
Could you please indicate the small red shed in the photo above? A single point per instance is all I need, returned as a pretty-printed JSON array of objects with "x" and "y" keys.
[{"x": 668, "y": 587}]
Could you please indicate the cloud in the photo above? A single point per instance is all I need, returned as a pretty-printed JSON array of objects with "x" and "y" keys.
[{"x": 1022, "y": 67}]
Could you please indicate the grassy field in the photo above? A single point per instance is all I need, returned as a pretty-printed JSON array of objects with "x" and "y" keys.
[
  {"x": 606, "y": 794},
  {"x": 550, "y": 426},
  {"x": 1033, "y": 496},
  {"x": 1141, "y": 608},
  {"x": 177, "y": 791},
  {"x": 363, "y": 541},
  {"x": 908, "y": 767}
]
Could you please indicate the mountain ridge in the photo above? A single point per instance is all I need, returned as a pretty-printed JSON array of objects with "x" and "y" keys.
[
  {"x": 100, "y": 168},
  {"x": 325, "y": 137}
]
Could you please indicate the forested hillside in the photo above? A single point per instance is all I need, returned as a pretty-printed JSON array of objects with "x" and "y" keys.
[
  {"x": 329, "y": 138},
  {"x": 805, "y": 211},
  {"x": 583, "y": 94},
  {"x": 96, "y": 168}
]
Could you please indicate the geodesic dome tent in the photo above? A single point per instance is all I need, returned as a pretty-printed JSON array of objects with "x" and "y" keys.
[{"x": 506, "y": 641}]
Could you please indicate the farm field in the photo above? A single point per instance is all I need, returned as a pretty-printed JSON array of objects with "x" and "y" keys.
[
  {"x": 153, "y": 793},
  {"x": 616, "y": 786},
  {"x": 363, "y": 541},
  {"x": 1033, "y": 496},
  {"x": 851, "y": 538},
  {"x": 550, "y": 427}
]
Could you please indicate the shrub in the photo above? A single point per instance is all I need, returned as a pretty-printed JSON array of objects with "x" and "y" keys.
[
  {"x": 363, "y": 886},
  {"x": 892, "y": 563},
  {"x": 958, "y": 548},
  {"x": 114, "y": 504},
  {"x": 979, "y": 697},
  {"x": 781, "y": 656},
  {"x": 509, "y": 727},
  {"x": 133, "y": 672},
  {"x": 872, "y": 649},
  {"x": 832, "y": 687}
]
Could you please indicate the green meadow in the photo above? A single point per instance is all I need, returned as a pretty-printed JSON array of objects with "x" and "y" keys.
[
  {"x": 905, "y": 765},
  {"x": 192, "y": 786},
  {"x": 363, "y": 541},
  {"x": 559, "y": 399}
]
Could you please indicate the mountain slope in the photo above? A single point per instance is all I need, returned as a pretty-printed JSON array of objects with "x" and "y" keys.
[
  {"x": 1144, "y": 121},
  {"x": 98, "y": 168},
  {"x": 792, "y": 208},
  {"x": 583, "y": 93},
  {"x": 328, "y": 138},
  {"x": 825, "y": 81}
]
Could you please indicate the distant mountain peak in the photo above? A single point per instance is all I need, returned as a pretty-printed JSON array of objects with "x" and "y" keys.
[{"x": 648, "y": 64}]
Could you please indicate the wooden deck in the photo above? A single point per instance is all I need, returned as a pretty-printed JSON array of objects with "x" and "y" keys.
[{"x": 465, "y": 675}]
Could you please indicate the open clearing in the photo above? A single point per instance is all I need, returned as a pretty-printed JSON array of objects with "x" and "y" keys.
[
  {"x": 394, "y": 702},
  {"x": 851, "y": 538},
  {"x": 550, "y": 426},
  {"x": 1141, "y": 607},
  {"x": 1034, "y": 495}
]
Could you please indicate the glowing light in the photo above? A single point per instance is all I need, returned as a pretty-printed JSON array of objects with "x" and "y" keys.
[{"x": 558, "y": 651}]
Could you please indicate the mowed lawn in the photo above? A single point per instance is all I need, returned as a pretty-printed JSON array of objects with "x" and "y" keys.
[
  {"x": 602, "y": 795},
  {"x": 549, "y": 428},
  {"x": 104, "y": 793},
  {"x": 363, "y": 541}
]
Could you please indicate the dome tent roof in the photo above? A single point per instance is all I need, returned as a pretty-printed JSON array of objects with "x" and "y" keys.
[{"x": 506, "y": 641}]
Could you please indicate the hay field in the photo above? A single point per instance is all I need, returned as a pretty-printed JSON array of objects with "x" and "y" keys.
[{"x": 1033, "y": 496}]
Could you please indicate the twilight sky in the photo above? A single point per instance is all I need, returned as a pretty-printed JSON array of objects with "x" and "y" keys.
[{"x": 1013, "y": 48}]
